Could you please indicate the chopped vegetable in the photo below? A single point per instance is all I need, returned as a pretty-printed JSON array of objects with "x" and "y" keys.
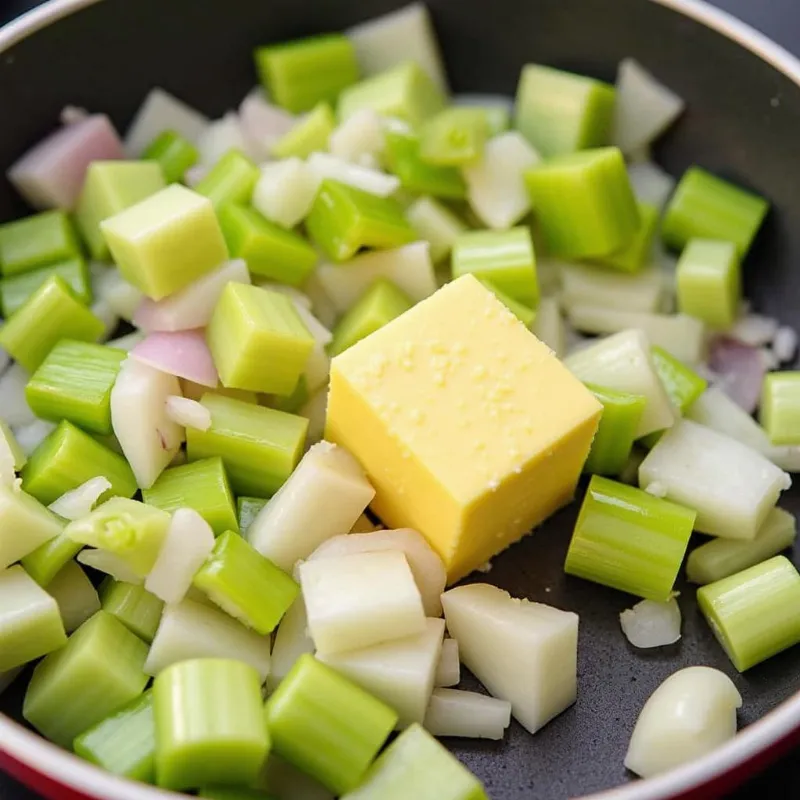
[
  {"x": 12, "y": 457},
  {"x": 651, "y": 184},
  {"x": 220, "y": 137},
  {"x": 108, "y": 563},
  {"x": 173, "y": 153},
  {"x": 780, "y": 407},
  {"x": 231, "y": 180},
  {"x": 324, "y": 165},
  {"x": 262, "y": 123},
  {"x": 549, "y": 326},
  {"x": 635, "y": 255},
  {"x": 684, "y": 386},
  {"x": 285, "y": 191},
  {"x": 652, "y": 624},
  {"x": 590, "y": 285},
  {"x": 248, "y": 508},
  {"x": 16, "y": 289},
  {"x": 453, "y": 712},
  {"x": 616, "y": 433},
  {"x": 25, "y": 524},
  {"x": 436, "y": 224},
  {"x": 188, "y": 413},
  {"x": 448, "y": 673},
  {"x": 137, "y": 609},
  {"x": 161, "y": 111},
  {"x": 290, "y": 642},
  {"x": 309, "y": 133},
  {"x": 709, "y": 282},
  {"x": 76, "y": 596},
  {"x": 454, "y": 137}
]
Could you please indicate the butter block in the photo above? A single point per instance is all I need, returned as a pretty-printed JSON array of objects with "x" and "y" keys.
[{"x": 469, "y": 428}]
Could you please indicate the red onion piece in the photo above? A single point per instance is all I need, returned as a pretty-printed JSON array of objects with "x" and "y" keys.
[
  {"x": 184, "y": 354},
  {"x": 740, "y": 368}
]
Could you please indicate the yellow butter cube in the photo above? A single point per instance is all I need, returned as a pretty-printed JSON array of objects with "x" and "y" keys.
[{"x": 469, "y": 428}]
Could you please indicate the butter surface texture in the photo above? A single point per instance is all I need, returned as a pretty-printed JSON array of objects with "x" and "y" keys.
[{"x": 469, "y": 428}]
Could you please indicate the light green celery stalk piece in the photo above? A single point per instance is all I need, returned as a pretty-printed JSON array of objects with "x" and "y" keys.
[
  {"x": 584, "y": 203},
  {"x": 75, "y": 594},
  {"x": 720, "y": 558},
  {"x": 327, "y": 726},
  {"x": 96, "y": 672},
  {"x": 454, "y": 137},
  {"x": 416, "y": 765},
  {"x": 344, "y": 219},
  {"x": 403, "y": 158},
  {"x": 405, "y": 91},
  {"x": 173, "y": 153},
  {"x": 378, "y": 306},
  {"x": 310, "y": 133},
  {"x": 300, "y": 74},
  {"x": 47, "y": 560},
  {"x": 202, "y": 485},
  {"x": 16, "y": 289},
  {"x": 30, "y": 621},
  {"x": 137, "y": 609},
  {"x": 436, "y": 224},
  {"x": 258, "y": 340},
  {"x": 231, "y": 180},
  {"x": 616, "y": 433},
  {"x": 51, "y": 313},
  {"x": 560, "y": 112},
  {"x": 707, "y": 207},
  {"x": 629, "y": 540},
  {"x": 780, "y": 407},
  {"x": 635, "y": 255},
  {"x": 709, "y": 282},
  {"x": 524, "y": 313},
  {"x": 19, "y": 459},
  {"x": 74, "y": 383},
  {"x": 111, "y": 187},
  {"x": 127, "y": 528},
  {"x": 36, "y": 241},
  {"x": 25, "y": 524},
  {"x": 248, "y": 508},
  {"x": 124, "y": 742},
  {"x": 209, "y": 722},
  {"x": 291, "y": 403},
  {"x": 245, "y": 584},
  {"x": 753, "y": 613},
  {"x": 259, "y": 446}
]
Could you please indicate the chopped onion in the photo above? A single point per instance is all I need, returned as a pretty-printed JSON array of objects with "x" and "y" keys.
[
  {"x": 188, "y": 413},
  {"x": 107, "y": 316},
  {"x": 656, "y": 489},
  {"x": 30, "y": 436},
  {"x": 263, "y": 124},
  {"x": 453, "y": 712},
  {"x": 754, "y": 329},
  {"x": 15, "y": 409},
  {"x": 315, "y": 411},
  {"x": 651, "y": 184},
  {"x": 219, "y": 137},
  {"x": 285, "y": 191},
  {"x": 359, "y": 137},
  {"x": 322, "y": 305},
  {"x": 111, "y": 288},
  {"x": 159, "y": 112},
  {"x": 448, "y": 673},
  {"x": 110, "y": 563},
  {"x": 652, "y": 624},
  {"x": 127, "y": 342},
  {"x": 80, "y": 501},
  {"x": 324, "y": 165},
  {"x": 291, "y": 641},
  {"x": 740, "y": 370},
  {"x": 184, "y": 354},
  {"x": 784, "y": 345}
]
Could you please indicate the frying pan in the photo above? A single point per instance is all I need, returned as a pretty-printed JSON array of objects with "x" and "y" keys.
[{"x": 743, "y": 96}]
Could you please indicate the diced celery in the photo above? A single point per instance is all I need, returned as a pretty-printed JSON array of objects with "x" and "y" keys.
[
  {"x": 560, "y": 112},
  {"x": 637, "y": 253},
  {"x": 310, "y": 133},
  {"x": 293, "y": 402},
  {"x": 524, "y": 313},
  {"x": 123, "y": 743},
  {"x": 436, "y": 224},
  {"x": 628, "y": 539},
  {"x": 259, "y": 446},
  {"x": 96, "y": 672},
  {"x": 709, "y": 282},
  {"x": 50, "y": 558},
  {"x": 248, "y": 508},
  {"x": 51, "y": 313},
  {"x": 25, "y": 524},
  {"x": 616, "y": 433},
  {"x": 173, "y": 153},
  {"x": 584, "y": 203},
  {"x": 780, "y": 407},
  {"x": 36, "y": 241},
  {"x": 454, "y": 137},
  {"x": 30, "y": 621},
  {"x": 453, "y": 712},
  {"x": 75, "y": 594},
  {"x": 682, "y": 383},
  {"x": 752, "y": 613},
  {"x": 325, "y": 725},
  {"x": 231, "y": 180},
  {"x": 16, "y": 289},
  {"x": 109, "y": 564},
  {"x": 209, "y": 724},
  {"x": 137, "y": 609},
  {"x": 12, "y": 456}
]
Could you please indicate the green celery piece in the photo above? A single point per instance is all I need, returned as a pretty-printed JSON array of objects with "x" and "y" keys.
[
  {"x": 245, "y": 584},
  {"x": 436, "y": 224},
  {"x": 560, "y": 112},
  {"x": 127, "y": 528},
  {"x": 302, "y": 73},
  {"x": 231, "y": 180},
  {"x": 682, "y": 383},
  {"x": 124, "y": 742},
  {"x": 258, "y": 340},
  {"x": 166, "y": 241},
  {"x": 310, "y": 133},
  {"x": 707, "y": 207},
  {"x": 454, "y": 137},
  {"x": 25, "y": 524},
  {"x": 51, "y": 313},
  {"x": 17, "y": 453},
  {"x": 709, "y": 282},
  {"x": 525, "y": 314},
  {"x": 260, "y": 447},
  {"x": 378, "y": 306},
  {"x": 228, "y": 793},
  {"x": 74, "y": 383},
  {"x": 30, "y": 620},
  {"x": 498, "y": 118},
  {"x": 37, "y": 241},
  {"x": 47, "y": 560},
  {"x": 720, "y": 558},
  {"x": 344, "y": 219},
  {"x": 629, "y": 540},
  {"x": 209, "y": 723},
  {"x": 293, "y": 402},
  {"x": 98, "y": 671},
  {"x": 616, "y": 433},
  {"x": 137, "y": 609},
  {"x": 505, "y": 258},
  {"x": 248, "y": 510},
  {"x": 173, "y": 153},
  {"x": 69, "y": 457},
  {"x": 416, "y": 766},
  {"x": 327, "y": 726},
  {"x": 780, "y": 407},
  {"x": 405, "y": 91},
  {"x": 202, "y": 485},
  {"x": 753, "y": 613},
  {"x": 111, "y": 187},
  {"x": 16, "y": 289},
  {"x": 268, "y": 249},
  {"x": 636, "y": 254},
  {"x": 584, "y": 203},
  {"x": 403, "y": 159}
]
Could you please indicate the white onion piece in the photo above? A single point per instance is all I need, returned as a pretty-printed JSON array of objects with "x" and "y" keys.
[
  {"x": 13, "y": 405},
  {"x": 188, "y": 413},
  {"x": 740, "y": 370},
  {"x": 219, "y": 137},
  {"x": 110, "y": 287},
  {"x": 690, "y": 714},
  {"x": 651, "y": 184},
  {"x": 315, "y": 411},
  {"x": 453, "y": 712},
  {"x": 784, "y": 345},
  {"x": 159, "y": 112},
  {"x": 126, "y": 342},
  {"x": 359, "y": 137},
  {"x": 285, "y": 191},
  {"x": 195, "y": 174},
  {"x": 186, "y": 546},
  {"x": 656, "y": 489},
  {"x": 585, "y": 284},
  {"x": 107, "y": 316},
  {"x": 76, "y": 597},
  {"x": 193, "y": 305},
  {"x": 324, "y": 308},
  {"x": 324, "y": 165},
  {"x": 448, "y": 673},
  {"x": 51, "y": 174},
  {"x": 651, "y": 624},
  {"x": 291, "y": 642},
  {"x": 80, "y": 501},
  {"x": 754, "y": 329},
  {"x": 263, "y": 124},
  {"x": 644, "y": 107},
  {"x": 110, "y": 563},
  {"x": 31, "y": 435},
  {"x": 184, "y": 354}
]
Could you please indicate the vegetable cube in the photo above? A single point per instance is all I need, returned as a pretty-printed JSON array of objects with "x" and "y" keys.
[
  {"x": 137, "y": 609},
  {"x": 173, "y": 153},
  {"x": 709, "y": 282},
  {"x": 404, "y": 160},
  {"x": 25, "y": 524},
  {"x": 231, "y": 180},
  {"x": 36, "y": 241},
  {"x": 309, "y": 134},
  {"x": 780, "y": 407},
  {"x": 454, "y": 137},
  {"x": 616, "y": 433},
  {"x": 16, "y": 289},
  {"x": 637, "y": 253}
]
